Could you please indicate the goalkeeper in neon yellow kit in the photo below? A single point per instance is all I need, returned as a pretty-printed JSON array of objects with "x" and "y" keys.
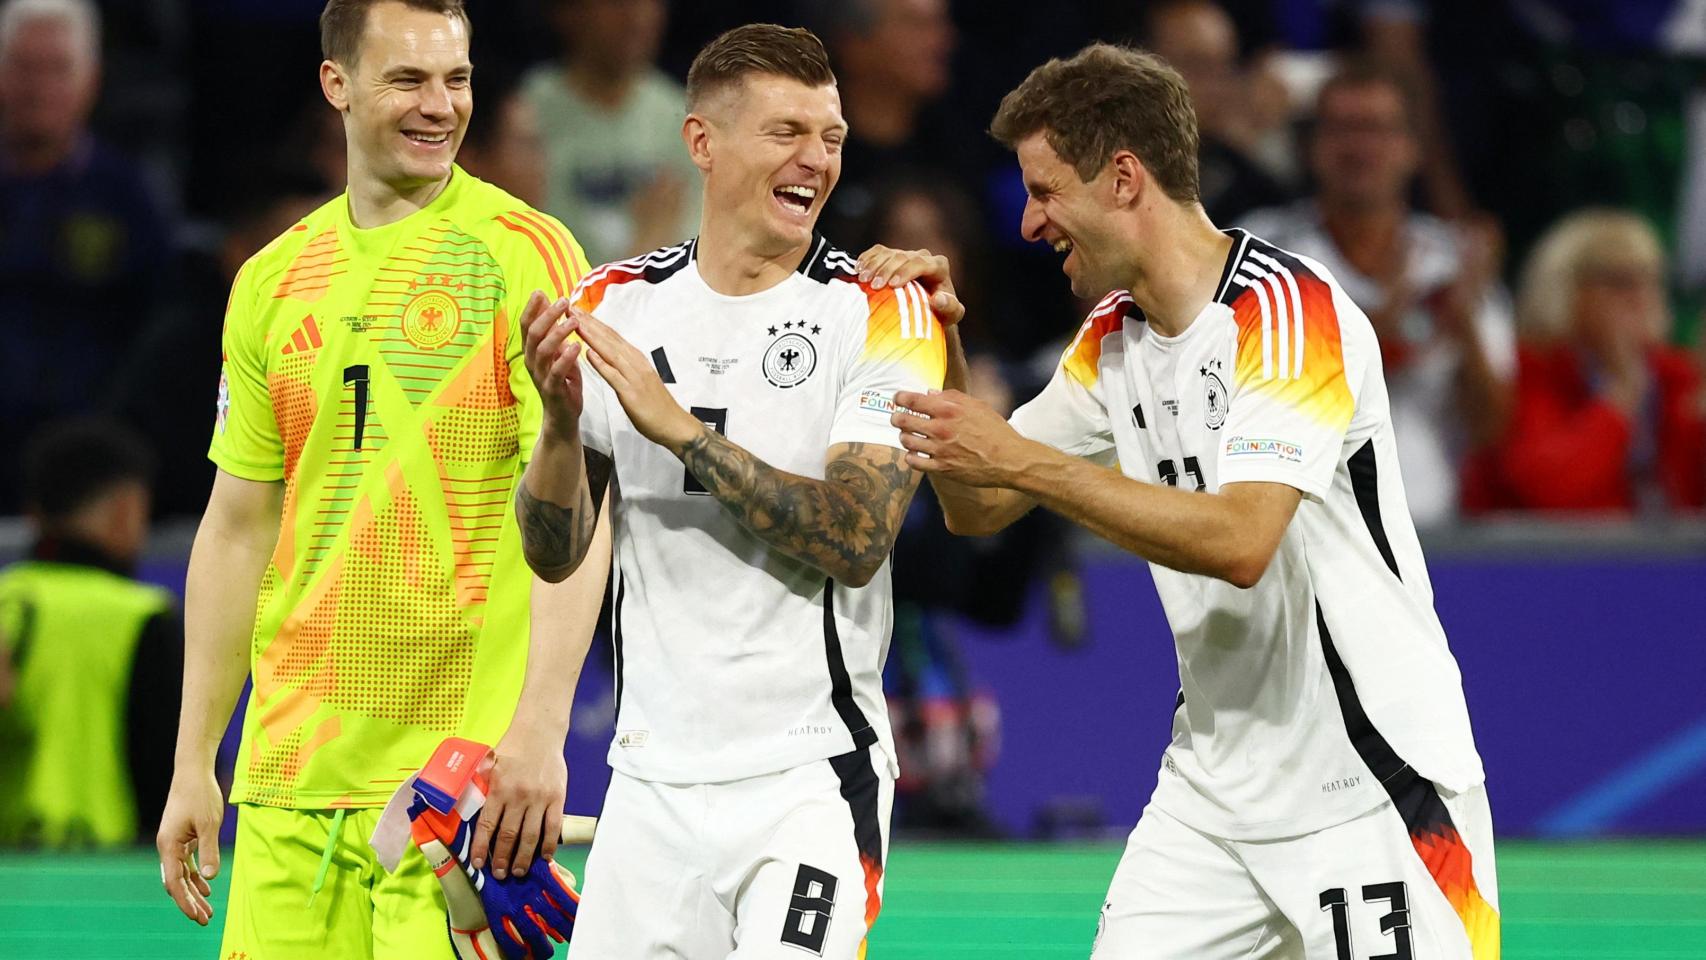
[{"x": 358, "y": 557}]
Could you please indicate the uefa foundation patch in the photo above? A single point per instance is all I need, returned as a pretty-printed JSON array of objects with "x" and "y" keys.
[{"x": 875, "y": 402}]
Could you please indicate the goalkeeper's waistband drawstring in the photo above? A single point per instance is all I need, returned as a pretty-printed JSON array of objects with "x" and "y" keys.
[{"x": 326, "y": 857}]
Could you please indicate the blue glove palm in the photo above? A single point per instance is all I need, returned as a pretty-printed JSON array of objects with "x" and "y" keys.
[
  {"x": 524, "y": 913},
  {"x": 527, "y": 912}
]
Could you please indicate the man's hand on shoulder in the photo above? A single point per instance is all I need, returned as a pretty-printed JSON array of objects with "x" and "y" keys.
[{"x": 882, "y": 266}]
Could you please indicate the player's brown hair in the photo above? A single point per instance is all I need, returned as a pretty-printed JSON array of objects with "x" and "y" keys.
[
  {"x": 1104, "y": 99},
  {"x": 343, "y": 22},
  {"x": 763, "y": 48}
]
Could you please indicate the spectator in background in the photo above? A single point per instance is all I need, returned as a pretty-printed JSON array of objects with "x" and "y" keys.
[
  {"x": 1430, "y": 288},
  {"x": 618, "y": 173},
  {"x": 1199, "y": 39},
  {"x": 1395, "y": 33},
  {"x": 1609, "y": 416},
  {"x": 503, "y": 145},
  {"x": 83, "y": 246},
  {"x": 87, "y": 724},
  {"x": 891, "y": 61}
]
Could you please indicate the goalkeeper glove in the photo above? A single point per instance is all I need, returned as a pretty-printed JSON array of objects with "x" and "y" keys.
[{"x": 517, "y": 917}]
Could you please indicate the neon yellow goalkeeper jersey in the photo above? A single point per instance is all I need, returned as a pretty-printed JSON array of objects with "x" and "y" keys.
[{"x": 379, "y": 374}]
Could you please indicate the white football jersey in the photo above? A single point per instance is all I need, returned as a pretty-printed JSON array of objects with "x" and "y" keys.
[
  {"x": 1301, "y": 696},
  {"x": 733, "y": 659}
]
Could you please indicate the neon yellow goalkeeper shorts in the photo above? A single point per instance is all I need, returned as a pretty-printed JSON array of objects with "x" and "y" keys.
[{"x": 360, "y": 913}]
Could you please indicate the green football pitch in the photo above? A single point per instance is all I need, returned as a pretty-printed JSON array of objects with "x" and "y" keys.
[{"x": 1604, "y": 900}]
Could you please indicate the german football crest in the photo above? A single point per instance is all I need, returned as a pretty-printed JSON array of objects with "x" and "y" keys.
[
  {"x": 1215, "y": 400},
  {"x": 431, "y": 319},
  {"x": 792, "y": 356}
]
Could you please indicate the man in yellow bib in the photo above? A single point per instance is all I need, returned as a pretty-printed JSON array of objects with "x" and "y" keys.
[
  {"x": 358, "y": 558},
  {"x": 89, "y": 656}
]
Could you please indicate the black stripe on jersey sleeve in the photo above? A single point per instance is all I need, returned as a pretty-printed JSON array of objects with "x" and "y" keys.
[
  {"x": 616, "y": 641},
  {"x": 1227, "y": 291},
  {"x": 1365, "y": 483},
  {"x": 1382, "y": 760},
  {"x": 828, "y": 262},
  {"x": 840, "y": 682},
  {"x": 1284, "y": 258},
  {"x": 814, "y": 254},
  {"x": 660, "y": 264}
]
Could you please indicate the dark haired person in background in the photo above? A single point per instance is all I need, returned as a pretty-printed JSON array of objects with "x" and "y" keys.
[{"x": 89, "y": 657}]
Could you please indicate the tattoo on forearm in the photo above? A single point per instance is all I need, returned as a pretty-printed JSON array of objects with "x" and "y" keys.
[
  {"x": 548, "y": 535},
  {"x": 844, "y": 524},
  {"x": 555, "y": 538}
]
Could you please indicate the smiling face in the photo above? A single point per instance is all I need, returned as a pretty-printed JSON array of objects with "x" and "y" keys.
[
  {"x": 1076, "y": 218},
  {"x": 407, "y": 98},
  {"x": 770, "y": 148}
]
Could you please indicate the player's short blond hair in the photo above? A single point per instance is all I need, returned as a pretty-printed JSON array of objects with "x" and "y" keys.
[
  {"x": 757, "y": 48},
  {"x": 343, "y": 22},
  {"x": 1588, "y": 240},
  {"x": 1104, "y": 99}
]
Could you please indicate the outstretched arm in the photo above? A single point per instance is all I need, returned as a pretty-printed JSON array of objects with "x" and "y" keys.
[
  {"x": 1230, "y": 535},
  {"x": 232, "y": 548},
  {"x": 844, "y": 524}
]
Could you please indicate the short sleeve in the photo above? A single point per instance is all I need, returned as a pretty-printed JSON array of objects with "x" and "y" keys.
[
  {"x": 246, "y": 441},
  {"x": 1291, "y": 401},
  {"x": 900, "y": 346},
  {"x": 544, "y": 257},
  {"x": 1069, "y": 414}
]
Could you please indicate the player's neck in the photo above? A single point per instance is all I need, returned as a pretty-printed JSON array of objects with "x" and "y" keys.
[
  {"x": 374, "y": 203},
  {"x": 735, "y": 266},
  {"x": 1176, "y": 279}
]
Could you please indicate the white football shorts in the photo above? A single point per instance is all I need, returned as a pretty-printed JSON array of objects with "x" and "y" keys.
[
  {"x": 785, "y": 865},
  {"x": 1412, "y": 878}
]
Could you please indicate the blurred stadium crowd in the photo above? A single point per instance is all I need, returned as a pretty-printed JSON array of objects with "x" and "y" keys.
[{"x": 1515, "y": 192}]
